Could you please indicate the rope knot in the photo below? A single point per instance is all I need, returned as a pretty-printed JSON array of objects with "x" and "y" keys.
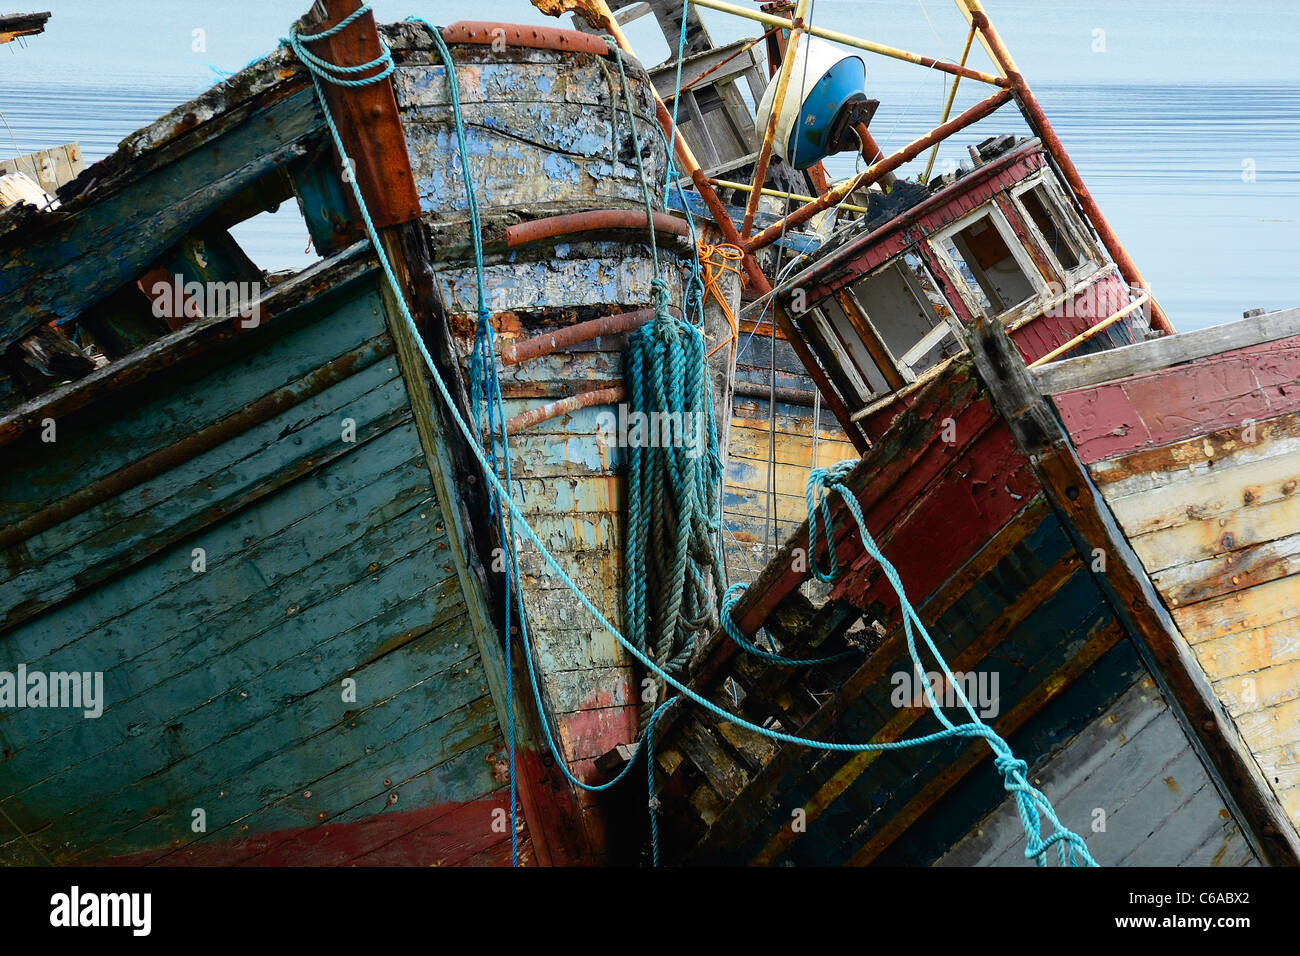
[
  {"x": 1010, "y": 767},
  {"x": 665, "y": 325}
]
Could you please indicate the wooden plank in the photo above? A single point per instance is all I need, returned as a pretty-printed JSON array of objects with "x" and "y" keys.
[
  {"x": 142, "y": 220},
  {"x": 301, "y": 747},
  {"x": 1271, "y": 603},
  {"x": 1088, "y": 370},
  {"x": 1161, "y": 408},
  {"x": 902, "y": 465},
  {"x": 353, "y": 373},
  {"x": 112, "y": 548},
  {"x": 1068, "y": 770},
  {"x": 366, "y": 115},
  {"x": 49, "y": 168},
  {"x": 966, "y": 661},
  {"x": 1275, "y": 683},
  {"x": 547, "y": 799},
  {"x": 1241, "y": 569},
  {"x": 889, "y": 656},
  {"x": 1244, "y": 527},
  {"x": 256, "y": 553},
  {"x": 21, "y": 186},
  {"x": 1200, "y": 454},
  {"x": 1236, "y": 652},
  {"x": 1147, "y": 503},
  {"x": 275, "y": 638}
]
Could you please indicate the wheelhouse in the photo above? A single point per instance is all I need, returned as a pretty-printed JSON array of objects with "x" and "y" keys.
[{"x": 1001, "y": 243}]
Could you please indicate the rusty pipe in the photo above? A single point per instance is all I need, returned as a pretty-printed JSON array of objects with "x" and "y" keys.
[
  {"x": 598, "y": 396},
  {"x": 539, "y": 345},
  {"x": 773, "y": 119},
  {"x": 870, "y": 146},
  {"x": 868, "y": 176},
  {"x": 1042, "y": 127},
  {"x": 594, "y": 220},
  {"x": 848, "y": 40},
  {"x": 486, "y": 33}
]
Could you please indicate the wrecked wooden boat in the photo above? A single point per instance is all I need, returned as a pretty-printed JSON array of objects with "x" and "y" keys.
[
  {"x": 951, "y": 340},
  {"x": 264, "y": 585},
  {"x": 248, "y": 514}
]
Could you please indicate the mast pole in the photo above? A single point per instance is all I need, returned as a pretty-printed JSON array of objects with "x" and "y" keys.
[{"x": 1038, "y": 122}]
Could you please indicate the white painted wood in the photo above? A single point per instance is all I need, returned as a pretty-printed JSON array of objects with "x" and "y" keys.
[
  {"x": 19, "y": 187},
  {"x": 1197, "y": 540},
  {"x": 1152, "y": 500}
]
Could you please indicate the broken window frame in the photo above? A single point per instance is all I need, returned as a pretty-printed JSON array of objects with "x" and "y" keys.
[
  {"x": 905, "y": 364},
  {"x": 1019, "y": 253},
  {"x": 1067, "y": 220},
  {"x": 841, "y": 353}
]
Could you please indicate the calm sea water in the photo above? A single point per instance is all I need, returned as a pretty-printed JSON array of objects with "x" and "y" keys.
[{"x": 1183, "y": 115}]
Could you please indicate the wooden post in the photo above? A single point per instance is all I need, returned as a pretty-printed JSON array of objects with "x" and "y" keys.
[
  {"x": 365, "y": 115},
  {"x": 371, "y": 129}
]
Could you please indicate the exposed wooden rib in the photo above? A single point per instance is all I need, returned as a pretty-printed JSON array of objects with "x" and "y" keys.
[
  {"x": 171, "y": 350},
  {"x": 1088, "y": 370},
  {"x": 141, "y": 219}
]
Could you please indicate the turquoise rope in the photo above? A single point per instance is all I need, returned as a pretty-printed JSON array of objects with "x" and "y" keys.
[
  {"x": 507, "y": 535},
  {"x": 484, "y": 352},
  {"x": 1031, "y": 803}
]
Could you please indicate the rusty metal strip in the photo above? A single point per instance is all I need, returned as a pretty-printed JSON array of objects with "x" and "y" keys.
[
  {"x": 488, "y": 33},
  {"x": 595, "y": 220},
  {"x": 522, "y": 350},
  {"x": 599, "y": 396}
]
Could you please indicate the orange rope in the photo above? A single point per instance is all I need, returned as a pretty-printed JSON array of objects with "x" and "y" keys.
[{"x": 711, "y": 271}]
